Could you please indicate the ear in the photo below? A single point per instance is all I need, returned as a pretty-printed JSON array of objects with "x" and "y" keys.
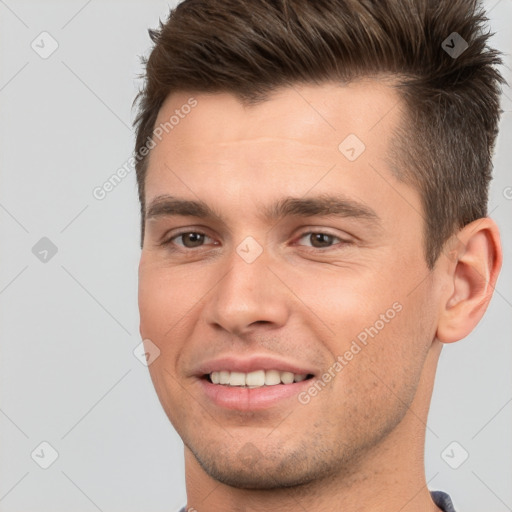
[{"x": 473, "y": 269}]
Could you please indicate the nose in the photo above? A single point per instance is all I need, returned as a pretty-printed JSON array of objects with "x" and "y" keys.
[{"x": 247, "y": 296}]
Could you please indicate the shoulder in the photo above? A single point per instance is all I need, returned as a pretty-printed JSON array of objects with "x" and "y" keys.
[{"x": 440, "y": 498}]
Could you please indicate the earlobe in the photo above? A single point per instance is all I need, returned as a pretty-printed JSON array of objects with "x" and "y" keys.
[{"x": 472, "y": 277}]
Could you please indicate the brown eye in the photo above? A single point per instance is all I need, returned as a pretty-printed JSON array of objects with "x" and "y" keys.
[
  {"x": 320, "y": 240},
  {"x": 191, "y": 239},
  {"x": 188, "y": 240}
]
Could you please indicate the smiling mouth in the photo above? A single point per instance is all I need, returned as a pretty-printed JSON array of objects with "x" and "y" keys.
[{"x": 255, "y": 379}]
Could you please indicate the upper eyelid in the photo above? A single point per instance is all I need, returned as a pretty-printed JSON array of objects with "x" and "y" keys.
[
  {"x": 316, "y": 232},
  {"x": 168, "y": 239},
  {"x": 341, "y": 240}
]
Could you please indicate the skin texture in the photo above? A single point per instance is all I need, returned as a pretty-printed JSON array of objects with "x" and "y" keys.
[{"x": 358, "y": 443}]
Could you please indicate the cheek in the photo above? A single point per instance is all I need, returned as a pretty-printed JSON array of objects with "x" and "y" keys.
[
  {"x": 373, "y": 321},
  {"x": 169, "y": 299},
  {"x": 162, "y": 304},
  {"x": 156, "y": 306},
  {"x": 344, "y": 300},
  {"x": 165, "y": 297},
  {"x": 387, "y": 371}
]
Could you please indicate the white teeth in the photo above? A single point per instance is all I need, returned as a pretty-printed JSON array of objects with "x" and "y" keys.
[
  {"x": 237, "y": 379},
  {"x": 286, "y": 377},
  {"x": 255, "y": 379},
  {"x": 272, "y": 377}
]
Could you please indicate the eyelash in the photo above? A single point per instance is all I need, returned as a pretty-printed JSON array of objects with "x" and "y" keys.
[{"x": 169, "y": 241}]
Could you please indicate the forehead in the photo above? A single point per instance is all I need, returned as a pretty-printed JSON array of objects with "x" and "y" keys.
[
  {"x": 309, "y": 114},
  {"x": 327, "y": 138}
]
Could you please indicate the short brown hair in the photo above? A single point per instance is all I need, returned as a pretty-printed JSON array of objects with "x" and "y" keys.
[{"x": 250, "y": 48}]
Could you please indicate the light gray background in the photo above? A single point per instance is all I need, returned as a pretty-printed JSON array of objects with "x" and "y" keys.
[{"x": 68, "y": 375}]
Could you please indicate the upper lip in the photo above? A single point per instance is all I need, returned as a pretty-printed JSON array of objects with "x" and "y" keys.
[{"x": 251, "y": 364}]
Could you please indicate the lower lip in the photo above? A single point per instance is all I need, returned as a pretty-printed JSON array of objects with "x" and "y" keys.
[{"x": 251, "y": 399}]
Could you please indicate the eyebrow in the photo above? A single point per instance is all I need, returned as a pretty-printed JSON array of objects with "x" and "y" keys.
[{"x": 321, "y": 205}]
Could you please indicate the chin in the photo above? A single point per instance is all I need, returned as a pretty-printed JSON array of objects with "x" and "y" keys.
[
  {"x": 250, "y": 469},
  {"x": 245, "y": 478}
]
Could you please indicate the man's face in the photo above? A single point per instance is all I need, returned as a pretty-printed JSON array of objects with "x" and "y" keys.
[{"x": 274, "y": 282}]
